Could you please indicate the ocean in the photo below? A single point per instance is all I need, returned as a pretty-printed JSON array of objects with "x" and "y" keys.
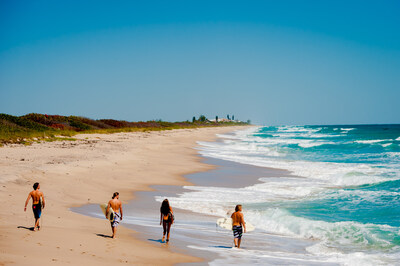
[{"x": 342, "y": 198}]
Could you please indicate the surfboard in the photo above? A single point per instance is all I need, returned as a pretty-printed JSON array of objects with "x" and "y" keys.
[
  {"x": 110, "y": 215},
  {"x": 226, "y": 223}
]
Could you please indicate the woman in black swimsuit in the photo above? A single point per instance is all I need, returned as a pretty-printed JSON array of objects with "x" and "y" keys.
[{"x": 166, "y": 218}]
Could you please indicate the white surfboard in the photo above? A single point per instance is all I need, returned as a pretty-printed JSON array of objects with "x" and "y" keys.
[
  {"x": 110, "y": 215},
  {"x": 226, "y": 223}
]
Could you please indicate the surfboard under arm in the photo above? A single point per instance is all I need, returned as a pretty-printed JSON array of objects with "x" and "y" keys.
[
  {"x": 226, "y": 223},
  {"x": 110, "y": 214}
]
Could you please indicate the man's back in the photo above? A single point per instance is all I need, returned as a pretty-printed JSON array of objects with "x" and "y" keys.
[
  {"x": 36, "y": 195},
  {"x": 115, "y": 204},
  {"x": 237, "y": 218}
]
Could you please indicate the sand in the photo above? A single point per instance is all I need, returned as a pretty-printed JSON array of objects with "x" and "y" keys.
[
  {"x": 193, "y": 229},
  {"x": 89, "y": 170}
]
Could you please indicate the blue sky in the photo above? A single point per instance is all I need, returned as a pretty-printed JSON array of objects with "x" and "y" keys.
[{"x": 274, "y": 62}]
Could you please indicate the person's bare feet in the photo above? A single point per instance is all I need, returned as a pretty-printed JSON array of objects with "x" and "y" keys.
[{"x": 163, "y": 239}]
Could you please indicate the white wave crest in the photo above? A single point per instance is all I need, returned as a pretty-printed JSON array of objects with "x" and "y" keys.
[
  {"x": 320, "y": 255},
  {"x": 350, "y": 236},
  {"x": 297, "y": 129},
  {"x": 334, "y": 174},
  {"x": 369, "y": 141},
  {"x": 345, "y": 130},
  {"x": 266, "y": 152}
]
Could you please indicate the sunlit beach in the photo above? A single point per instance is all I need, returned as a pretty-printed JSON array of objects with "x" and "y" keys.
[{"x": 200, "y": 133}]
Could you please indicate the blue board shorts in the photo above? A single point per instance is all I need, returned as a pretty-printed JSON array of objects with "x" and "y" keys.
[{"x": 37, "y": 210}]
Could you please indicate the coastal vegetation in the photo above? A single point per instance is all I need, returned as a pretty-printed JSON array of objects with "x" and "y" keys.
[{"x": 37, "y": 127}]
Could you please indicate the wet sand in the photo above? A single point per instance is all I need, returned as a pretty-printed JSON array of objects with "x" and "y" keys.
[{"x": 195, "y": 234}]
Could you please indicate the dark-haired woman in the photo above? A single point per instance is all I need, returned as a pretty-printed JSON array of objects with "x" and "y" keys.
[{"x": 166, "y": 218}]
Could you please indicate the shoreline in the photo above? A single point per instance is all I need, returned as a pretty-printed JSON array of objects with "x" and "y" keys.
[
  {"x": 142, "y": 211},
  {"x": 74, "y": 174}
]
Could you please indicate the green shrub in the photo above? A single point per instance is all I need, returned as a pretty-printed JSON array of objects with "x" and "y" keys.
[
  {"x": 78, "y": 124},
  {"x": 23, "y": 122}
]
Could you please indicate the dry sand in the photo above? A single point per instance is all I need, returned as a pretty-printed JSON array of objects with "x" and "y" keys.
[{"x": 89, "y": 170}]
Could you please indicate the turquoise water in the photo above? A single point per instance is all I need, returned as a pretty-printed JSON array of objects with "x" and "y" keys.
[
  {"x": 377, "y": 146},
  {"x": 344, "y": 193},
  {"x": 371, "y": 144},
  {"x": 363, "y": 215},
  {"x": 382, "y": 206}
]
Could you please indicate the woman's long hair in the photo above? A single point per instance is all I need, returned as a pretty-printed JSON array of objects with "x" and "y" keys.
[{"x": 165, "y": 209}]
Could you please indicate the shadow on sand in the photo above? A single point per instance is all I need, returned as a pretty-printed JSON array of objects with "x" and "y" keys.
[
  {"x": 221, "y": 247},
  {"x": 156, "y": 240},
  {"x": 27, "y": 228},
  {"x": 105, "y": 236}
]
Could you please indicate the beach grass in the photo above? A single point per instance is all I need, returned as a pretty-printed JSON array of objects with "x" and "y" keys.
[{"x": 37, "y": 127}]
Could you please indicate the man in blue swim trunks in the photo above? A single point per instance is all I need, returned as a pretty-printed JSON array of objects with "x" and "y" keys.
[
  {"x": 37, "y": 204},
  {"x": 238, "y": 225}
]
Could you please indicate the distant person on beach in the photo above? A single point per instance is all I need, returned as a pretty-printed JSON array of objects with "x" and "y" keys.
[
  {"x": 166, "y": 218},
  {"x": 116, "y": 205},
  {"x": 37, "y": 204},
  {"x": 238, "y": 225}
]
